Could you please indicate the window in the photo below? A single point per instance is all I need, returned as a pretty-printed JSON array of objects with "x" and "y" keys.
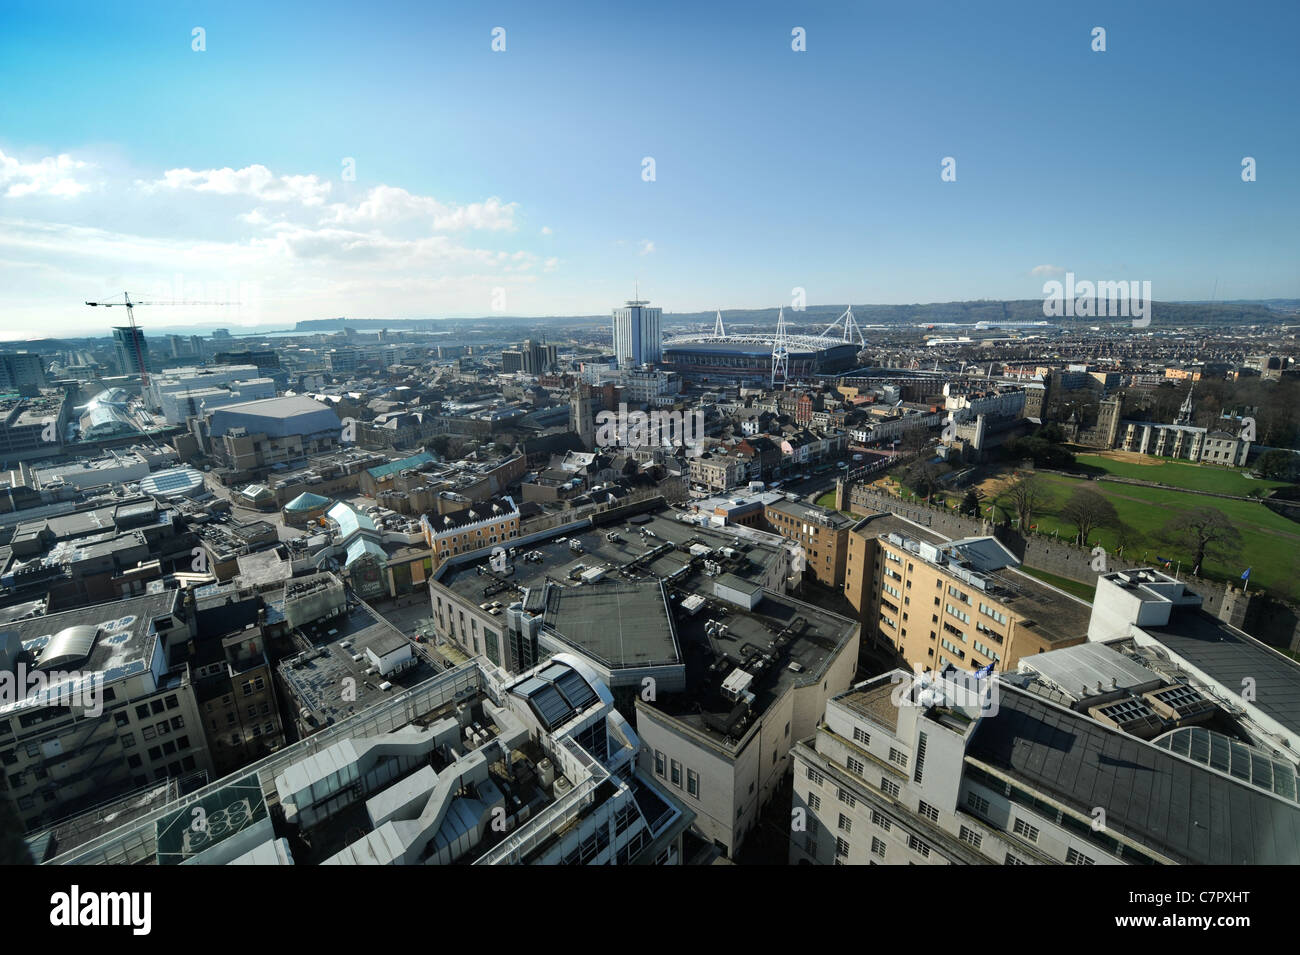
[
  {"x": 814, "y": 802},
  {"x": 815, "y": 777},
  {"x": 128, "y": 740},
  {"x": 881, "y": 822},
  {"x": 172, "y": 702},
  {"x": 162, "y": 728},
  {"x": 661, "y": 764},
  {"x": 846, "y": 824},
  {"x": 142, "y": 712},
  {"x": 889, "y": 787},
  {"x": 156, "y": 706},
  {"x": 1075, "y": 857},
  {"x": 930, "y": 812},
  {"x": 855, "y": 766},
  {"x": 155, "y": 752},
  {"x": 861, "y": 736},
  {"x": 178, "y": 722},
  {"x": 841, "y": 848},
  {"x": 847, "y": 798},
  {"x": 898, "y": 757},
  {"x": 182, "y": 742},
  {"x": 970, "y": 837},
  {"x": 978, "y": 803},
  {"x": 134, "y": 761},
  {"x": 677, "y": 774},
  {"x": 877, "y": 847},
  {"x": 149, "y": 732},
  {"x": 121, "y": 718},
  {"x": 693, "y": 783},
  {"x": 920, "y": 848},
  {"x": 1012, "y": 860},
  {"x": 1025, "y": 830}
]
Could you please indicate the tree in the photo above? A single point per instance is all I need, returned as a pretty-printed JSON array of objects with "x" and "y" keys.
[
  {"x": 1279, "y": 465},
  {"x": 439, "y": 444},
  {"x": 1025, "y": 496},
  {"x": 923, "y": 478},
  {"x": 915, "y": 439},
  {"x": 1087, "y": 510},
  {"x": 1042, "y": 452},
  {"x": 970, "y": 504},
  {"x": 1205, "y": 531}
]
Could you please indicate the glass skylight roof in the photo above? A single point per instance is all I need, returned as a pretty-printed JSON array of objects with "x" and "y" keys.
[{"x": 1229, "y": 756}]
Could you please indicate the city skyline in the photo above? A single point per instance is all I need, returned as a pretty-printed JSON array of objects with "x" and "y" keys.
[{"x": 403, "y": 168}]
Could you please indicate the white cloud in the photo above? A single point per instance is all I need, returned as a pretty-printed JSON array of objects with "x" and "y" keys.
[
  {"x": 546, "y": 230},
  {"x": 256, "y": 181},
  {"x": 311, "y": 249},
  {"x": 1046, "y": 270},
  {"x": 49, "y": 176},
  {"x": 646, "y": 247},
  {"x": 390, "y": 205}
]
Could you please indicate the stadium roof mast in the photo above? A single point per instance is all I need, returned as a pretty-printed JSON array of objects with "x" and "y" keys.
[
  {"x": 718, "y": 328},
  {"x": 851, "y": 330},
  {"x": 780, "y": 353}
]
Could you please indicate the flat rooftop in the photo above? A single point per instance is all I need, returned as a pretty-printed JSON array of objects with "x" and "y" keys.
[
  {"x": 315, "y": 676},
  {"x": 785, "y": 630},
  {"x": 621, "y": 623},
  {"x": 783, "y": 642},
  {"x": 469, "y": 578},
  {"x": 125, "y": 642},
  {"x": 812, "y": 514}
]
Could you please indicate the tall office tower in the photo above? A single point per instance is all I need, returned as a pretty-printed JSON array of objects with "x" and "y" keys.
[
  {"x": 637, "y": 338},
  {"x": 537, "y": 357},
  {"x": 131, "y": 349},
  {"x": 21, "y": 373}
]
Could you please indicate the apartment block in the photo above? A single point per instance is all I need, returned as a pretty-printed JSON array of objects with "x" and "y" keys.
[{"x": 961, "y": 603}]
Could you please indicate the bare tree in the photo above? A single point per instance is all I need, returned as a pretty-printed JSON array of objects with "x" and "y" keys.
[
  {"x": 1025, "y": 496},
  {"x": 1206, "y": 531},
  {"x": 1087, "y": 510}
]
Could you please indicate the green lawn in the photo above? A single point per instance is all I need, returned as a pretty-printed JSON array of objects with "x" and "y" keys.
[
  {"x": 827, "y": 500},
  {"x": 1270, "y": 542},
  {"x": 1184, "y": 474},
  {"x": 1079, "y": 589}
]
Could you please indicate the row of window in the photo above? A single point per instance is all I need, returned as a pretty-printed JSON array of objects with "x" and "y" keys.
[{"x": 672, "y": 771}]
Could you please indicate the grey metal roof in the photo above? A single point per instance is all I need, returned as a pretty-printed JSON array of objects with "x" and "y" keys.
[
  {"x": 1077, "y": 670},
  {"x": 1230, "y": 657},
  {"x": 1174, "y": 806}
]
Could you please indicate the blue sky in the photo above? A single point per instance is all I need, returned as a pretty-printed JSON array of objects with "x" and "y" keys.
[{"x": 512, "y": 181}]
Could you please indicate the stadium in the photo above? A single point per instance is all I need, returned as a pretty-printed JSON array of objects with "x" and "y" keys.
[{"x": 772, "y": 357}]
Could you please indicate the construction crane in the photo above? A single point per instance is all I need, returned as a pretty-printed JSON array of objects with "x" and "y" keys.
[{"x": 136, "y": 337}]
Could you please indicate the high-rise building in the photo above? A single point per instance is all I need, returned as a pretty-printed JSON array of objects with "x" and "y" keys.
[
  {"x": 538, "y": 357},
  {"x": 21, "y": 373},
  {"x": 131, "y": 349},
  {"x": 637, "y": 336}
]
